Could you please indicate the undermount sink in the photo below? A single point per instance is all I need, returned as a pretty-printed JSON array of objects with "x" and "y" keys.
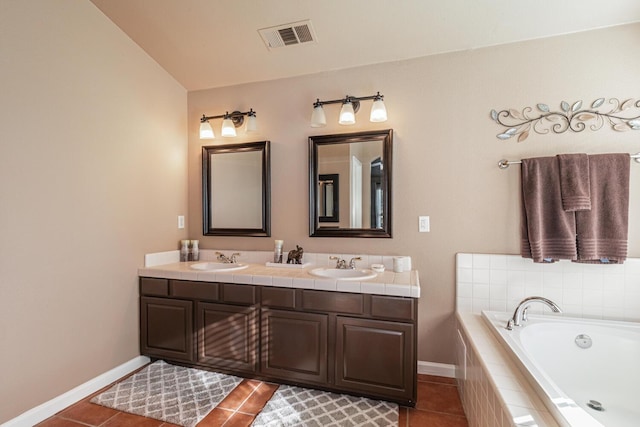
[
  {"x": 344, "y": 274},
  {"x": 217, "y": 266}
]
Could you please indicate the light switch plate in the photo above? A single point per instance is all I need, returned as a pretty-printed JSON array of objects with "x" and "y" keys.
[
  {"x": 424, "y": 224},
  {"x": 180, "y": 221}
]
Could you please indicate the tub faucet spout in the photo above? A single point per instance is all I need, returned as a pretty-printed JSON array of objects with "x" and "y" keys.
[{"x": 520, "y": 314}]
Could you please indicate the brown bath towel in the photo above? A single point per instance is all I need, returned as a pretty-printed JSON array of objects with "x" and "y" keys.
[
  {"x": 548, "y": 232},
  {"x": 603, "y": 231},
  {"x": 574, "y": 182}
]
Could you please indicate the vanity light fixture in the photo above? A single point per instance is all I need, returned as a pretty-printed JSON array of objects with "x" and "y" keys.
[
  {"x": 350, "y": 106},
  {"x": 230, "y": 121},
  {"x": 347, "y": 114}
]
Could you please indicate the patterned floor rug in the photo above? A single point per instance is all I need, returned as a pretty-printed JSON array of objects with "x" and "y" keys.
[
  {"x": 295, "y": 406},
  {"x": 178, "y": 395}
]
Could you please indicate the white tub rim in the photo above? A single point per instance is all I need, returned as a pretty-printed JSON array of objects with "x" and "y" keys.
[{"x": 564, "y": 409}]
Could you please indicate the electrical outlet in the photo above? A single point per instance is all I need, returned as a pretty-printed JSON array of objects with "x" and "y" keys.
[
  {"x": 423, "y": 224},
  {"x": 180, "y": 221}
]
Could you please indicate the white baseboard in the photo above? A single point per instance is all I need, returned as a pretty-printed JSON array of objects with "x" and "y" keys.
[
  {"x": 42, "y": 412},
  {"x": 437, "y": 369}
]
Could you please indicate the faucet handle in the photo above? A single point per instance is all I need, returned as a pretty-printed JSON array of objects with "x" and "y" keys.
[
  {"x": 352, "y": 263},
  {"x": 509, "y": 325},
  {"x": 340, "y": 263},
  {"x": 234, "y": 257}
]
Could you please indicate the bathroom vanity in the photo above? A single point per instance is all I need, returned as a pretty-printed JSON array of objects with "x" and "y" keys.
[{"x": 348, "y": 342}]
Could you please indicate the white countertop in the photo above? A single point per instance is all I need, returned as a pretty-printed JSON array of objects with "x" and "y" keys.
[{"x": 404, "y": 284}]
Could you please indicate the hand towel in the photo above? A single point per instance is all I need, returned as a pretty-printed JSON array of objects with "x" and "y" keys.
[
  {"x": 574, "y": 182},
  {"x": 548, "y": 232},
  {"x": 603, "y": 231}
]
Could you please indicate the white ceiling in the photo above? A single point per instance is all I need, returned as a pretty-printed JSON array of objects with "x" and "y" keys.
[{"x": 214, "y": 43}]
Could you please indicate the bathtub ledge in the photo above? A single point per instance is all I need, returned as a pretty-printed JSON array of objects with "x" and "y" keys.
[{"x": 494, "y": 393}]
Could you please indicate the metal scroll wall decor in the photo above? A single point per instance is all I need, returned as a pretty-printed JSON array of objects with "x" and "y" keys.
[{"x": 520, "y": 124}]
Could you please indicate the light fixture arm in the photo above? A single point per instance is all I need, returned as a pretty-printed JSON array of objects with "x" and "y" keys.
[
  {"x": 349, "y": 98},
  {"x": 237, "y": 117},
  {"x": 230, "y": 122},
  {"x": 350, "y": 106}
]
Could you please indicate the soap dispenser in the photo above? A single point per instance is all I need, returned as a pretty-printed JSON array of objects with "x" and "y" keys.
[
  {"x": 184, "y": 250},
  {"x": 195, "y": 251},
  {"x": 277, "y": 251}
]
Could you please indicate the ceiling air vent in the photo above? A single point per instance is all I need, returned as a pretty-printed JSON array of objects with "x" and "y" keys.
[{"x": 288, "y": 34}]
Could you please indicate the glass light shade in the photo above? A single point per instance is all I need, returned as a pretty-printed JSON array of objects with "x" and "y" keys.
[
  {"x": 347, "y": 115},
  {"x": 378, "y": 111},
  {"x": 252, "y": 124},
  {"x": 206, "y": 131},
  {"x": 318, "y": 119},
  {"x": 228, "y": 129}
]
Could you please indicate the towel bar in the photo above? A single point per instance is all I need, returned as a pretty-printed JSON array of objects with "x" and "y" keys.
[{"x": 504, "y": 163}]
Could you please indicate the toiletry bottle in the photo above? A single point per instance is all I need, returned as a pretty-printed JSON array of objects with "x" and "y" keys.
[
  {"x": 195, "y": 251},
  {"x": 184, "y": 250},
  {"x": 277, "y": 251}
]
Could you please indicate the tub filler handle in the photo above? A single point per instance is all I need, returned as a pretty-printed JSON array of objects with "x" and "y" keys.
[{"x": 520, "y": 314}]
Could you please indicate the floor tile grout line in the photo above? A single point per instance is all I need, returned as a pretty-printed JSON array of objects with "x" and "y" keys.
[
  {"x": 253, "y": 389},
  {"x": 240, "y": 406},
  {"x": 436, "y": 384},
  {"x": 440, "y": 412},
  {"x": 75, "y": 421},
  {"x": 110, "y": 418}
]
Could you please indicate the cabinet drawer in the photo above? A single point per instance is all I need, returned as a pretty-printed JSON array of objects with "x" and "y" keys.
[
  {"x": 392, "y": 307},
  {"x": 150, "y": 286},
  {"x": 239, "y": 294},
  {"x": 195, "y": 290},
  {"x": 333, "y": 302},
  {"x": 278, "y": 297}
]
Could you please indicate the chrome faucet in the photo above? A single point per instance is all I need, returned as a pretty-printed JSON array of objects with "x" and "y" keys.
[
  {"x": 228, "y": 260},
  {"x": 352, "y": 263},
  {"x": 520, "y": 314},
  {"x": 342, "y": 264}
]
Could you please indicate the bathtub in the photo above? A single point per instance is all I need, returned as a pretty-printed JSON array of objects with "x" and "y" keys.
[{"x": 586, "y": 372}]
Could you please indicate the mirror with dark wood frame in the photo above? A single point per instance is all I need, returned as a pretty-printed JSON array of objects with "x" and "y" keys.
[
  {"x": 350, "y": 184},
  {"x": 236, "y": 198}
]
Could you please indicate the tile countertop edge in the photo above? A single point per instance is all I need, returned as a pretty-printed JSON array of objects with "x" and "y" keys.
[{"x": 300, "y": 278}]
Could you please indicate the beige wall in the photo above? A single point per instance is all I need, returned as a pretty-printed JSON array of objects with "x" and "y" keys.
[
  {"x": 93, "y": 157},
  {"x": 445, "y": 150},
  {"x": 93, "y": 172}
]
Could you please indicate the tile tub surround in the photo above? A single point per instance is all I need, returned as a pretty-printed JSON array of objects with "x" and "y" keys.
[
  {"x": 167, "y": 265},
  {"x": 494, "y": 393},
  {"x": 500, "y": 282}
]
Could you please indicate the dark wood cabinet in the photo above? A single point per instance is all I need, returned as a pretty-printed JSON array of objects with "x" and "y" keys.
[
  {"x": 228, "y": 336},
  {"x": 294, "y": 345},
  {"x": 375, "y": 357},
  {"x": 345, "y": 342},
  {"x": 166, "y": 328}
]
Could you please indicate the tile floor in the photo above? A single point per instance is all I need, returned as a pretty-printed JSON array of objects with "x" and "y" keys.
[{"x": 438, "y": 405}]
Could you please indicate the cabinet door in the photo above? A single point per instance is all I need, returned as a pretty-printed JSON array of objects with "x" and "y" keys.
[
  {"x": 376, "y": 357},
  {"x": 227, "y": 336},
  {"x": 294, "y": 345},
  {"x": 166, "y": 328}
]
